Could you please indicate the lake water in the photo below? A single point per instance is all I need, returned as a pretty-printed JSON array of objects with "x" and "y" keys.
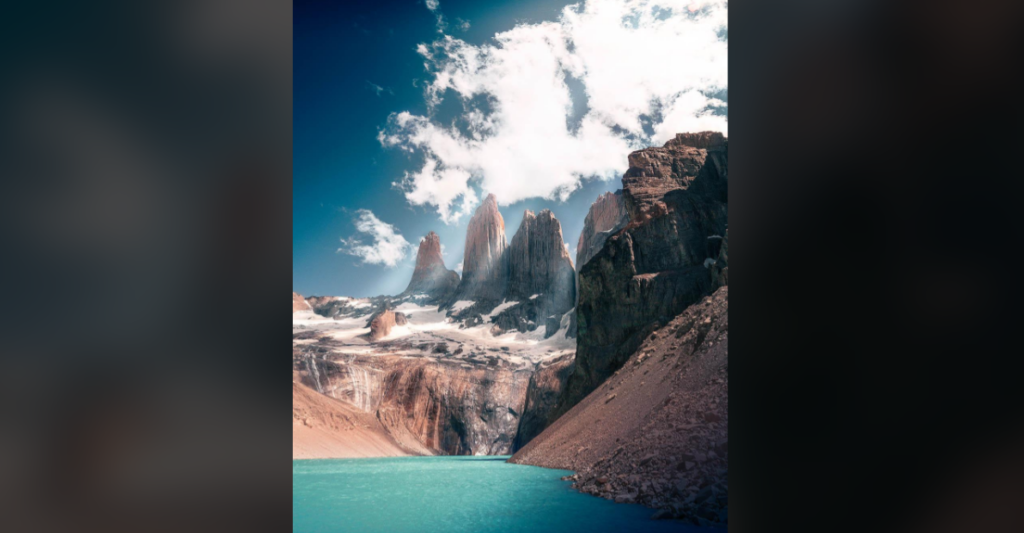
[{"x": 452, "y": 494}]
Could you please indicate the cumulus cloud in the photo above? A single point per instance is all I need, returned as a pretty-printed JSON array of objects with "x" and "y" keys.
[
  {"x": 458, "y": 267},
  {"x": 432, "y": 4},
  {"x": 386, "y": 247},
  {"x": 646, "y": 69}
]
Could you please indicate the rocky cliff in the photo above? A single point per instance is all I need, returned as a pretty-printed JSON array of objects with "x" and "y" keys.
[
  {"x": 431, "y": 277},
  {"x": 676, "y": 200},
  {"x": 484, "y": 272},
  {"x": 541, "y": 396},
  {"x": 656, "y": 431},
  {"x": 540, "y": 276},
  {"x": 431, "y": 405},
  {"x": 522, "y": 286},
  {"x": 606, "y": 216}
]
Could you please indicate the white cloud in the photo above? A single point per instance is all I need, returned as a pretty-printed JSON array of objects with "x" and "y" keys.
[
  {"x": 517, "y": 137},
  {"x": 458, "y": 267},
  {"x": 432, "y": 4},
  {"x": 388, "y": 247}
]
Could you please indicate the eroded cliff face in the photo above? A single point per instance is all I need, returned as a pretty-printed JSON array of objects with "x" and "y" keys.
[
  {"x": 606, "y": 216},
  {"x": 676, "y": 200},
  {"x": 484, "y": 271},
  {"x": 545, "y": 386},
  {"x": 431, "y": 405},
  {"x": 431, "y": 277}
]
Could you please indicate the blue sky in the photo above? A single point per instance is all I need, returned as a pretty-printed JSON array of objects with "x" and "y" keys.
[{"x": 357, "y": 64}]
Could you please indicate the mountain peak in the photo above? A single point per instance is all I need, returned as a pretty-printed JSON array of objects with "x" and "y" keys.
[
  {"x": 485, "y": 244},
  {"x": 431, "y": 276}
]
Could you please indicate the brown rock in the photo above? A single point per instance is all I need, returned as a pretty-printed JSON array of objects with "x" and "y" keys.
[{"x": 381, "y": 325}]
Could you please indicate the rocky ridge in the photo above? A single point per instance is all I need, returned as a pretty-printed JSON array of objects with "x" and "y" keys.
[
  {"x": 656, "y": 431},
  {"x": 676, "y": 200}
]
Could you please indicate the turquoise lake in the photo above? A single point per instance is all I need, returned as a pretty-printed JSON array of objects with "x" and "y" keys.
[{"x": 452, "y": 494}]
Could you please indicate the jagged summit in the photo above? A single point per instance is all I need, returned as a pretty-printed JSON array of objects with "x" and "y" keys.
[
  {"x": 431, "y": 277},
  {"x": 539, "y": 263},
  {"x": 483, "y": 268}
]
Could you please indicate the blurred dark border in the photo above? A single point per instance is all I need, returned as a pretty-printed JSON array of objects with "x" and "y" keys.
[
  {"x": 146, "y": 197},
  {"x": 874, "y": 266}
]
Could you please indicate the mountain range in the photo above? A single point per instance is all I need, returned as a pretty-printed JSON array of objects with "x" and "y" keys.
[{"x": 614, "y": 366}]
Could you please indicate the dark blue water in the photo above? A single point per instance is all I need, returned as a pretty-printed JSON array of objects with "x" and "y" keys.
[{"x": 452, "y": 494}]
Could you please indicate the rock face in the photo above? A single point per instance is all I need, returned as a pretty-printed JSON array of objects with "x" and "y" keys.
[
  {"x": 541, "y": 275},
  {"x": 676, "y": 199},
  {"x": 299, "y": 303},
  {"x": 545, "y": 386},
  {"x": 522, "y": 286},
  {"x": 606, "y": 216},
  {"x": 539, "y": 262},
  {"x": 484, "y": 271},
  {"x": 428, "y": 406},
  {"x": 431, "y": 277},
  {"x": 656, "y": 431}
]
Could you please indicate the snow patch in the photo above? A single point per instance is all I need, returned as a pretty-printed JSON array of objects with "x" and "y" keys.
[
  {"x": 462, "y": 304},
  {"x": 504, "y": 305}
]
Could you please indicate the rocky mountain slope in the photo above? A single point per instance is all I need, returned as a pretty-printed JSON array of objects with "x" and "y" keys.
[
  {"x": 642, "y": 416},
  {"x": 676, "y": 200},
  {"x": 325, "y": 427},
  {"x": 656, "y": 431},
  {"x": 430, "y": 277}
]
